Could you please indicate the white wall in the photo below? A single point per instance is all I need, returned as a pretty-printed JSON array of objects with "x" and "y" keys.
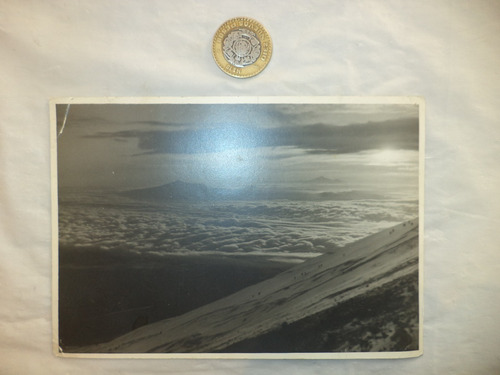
[{"x": 445, "y": 51}]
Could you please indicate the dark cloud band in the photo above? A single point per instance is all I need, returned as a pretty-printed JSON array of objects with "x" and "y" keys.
[{"x": 316, "y": 139}]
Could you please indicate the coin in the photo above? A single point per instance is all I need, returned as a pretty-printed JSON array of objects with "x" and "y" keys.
[{"x": 242, "y": 47}]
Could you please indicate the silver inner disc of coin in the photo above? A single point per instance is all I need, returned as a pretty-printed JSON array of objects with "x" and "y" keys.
[{"x": 241, "y": 47}]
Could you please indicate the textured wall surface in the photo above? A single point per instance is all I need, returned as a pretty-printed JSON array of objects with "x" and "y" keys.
[{"x": 446, "y": 51}]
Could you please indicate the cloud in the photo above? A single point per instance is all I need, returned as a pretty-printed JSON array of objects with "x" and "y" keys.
[
  {"x": 278, "y": 229},
  {"x": 342, "y": 114},
  {"x": 320, "y": 138}
]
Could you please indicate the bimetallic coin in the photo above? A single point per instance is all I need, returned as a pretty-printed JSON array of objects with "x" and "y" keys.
[{"x": 242, "y": 47}]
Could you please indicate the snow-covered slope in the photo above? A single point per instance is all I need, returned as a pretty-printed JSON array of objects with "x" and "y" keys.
[{"x": 301, "y": 291}]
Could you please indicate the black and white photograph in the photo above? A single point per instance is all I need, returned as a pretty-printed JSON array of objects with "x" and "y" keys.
[{"x": 238, "y": 228}]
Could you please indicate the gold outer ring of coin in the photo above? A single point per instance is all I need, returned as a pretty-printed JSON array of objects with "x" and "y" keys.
[{"x": 266, "y": 47}]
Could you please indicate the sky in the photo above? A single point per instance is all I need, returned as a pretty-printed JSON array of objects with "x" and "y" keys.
[{"x": 125, "y": 146}]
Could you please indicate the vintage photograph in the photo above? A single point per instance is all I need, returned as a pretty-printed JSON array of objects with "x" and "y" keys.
[{"x": 238, "y": 228}]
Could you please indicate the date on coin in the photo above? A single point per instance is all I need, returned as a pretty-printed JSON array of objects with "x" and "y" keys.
[{"x": 242, "y": 47}]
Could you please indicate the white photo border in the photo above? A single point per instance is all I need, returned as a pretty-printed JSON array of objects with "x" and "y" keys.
[{"x": 413, "y": 100}]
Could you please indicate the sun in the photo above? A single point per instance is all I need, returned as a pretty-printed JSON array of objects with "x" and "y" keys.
[{"x": 389, "y": 157}]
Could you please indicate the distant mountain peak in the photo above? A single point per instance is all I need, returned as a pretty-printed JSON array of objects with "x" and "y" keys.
[
  {"x": 177, "y": 190},
  {"x": 325, "y": 180}
]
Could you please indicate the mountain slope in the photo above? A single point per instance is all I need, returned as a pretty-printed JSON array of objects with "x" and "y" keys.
[{"x": 309, "y": 288}]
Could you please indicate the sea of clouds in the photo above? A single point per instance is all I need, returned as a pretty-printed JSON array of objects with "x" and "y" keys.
[{"x": 284, "y": 230}]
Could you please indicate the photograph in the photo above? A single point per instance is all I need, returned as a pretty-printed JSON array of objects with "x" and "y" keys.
[{"x": 259, "y": 227}]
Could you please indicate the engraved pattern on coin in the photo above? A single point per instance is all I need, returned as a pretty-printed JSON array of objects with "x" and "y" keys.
[{"x": 241, "y": 47}]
